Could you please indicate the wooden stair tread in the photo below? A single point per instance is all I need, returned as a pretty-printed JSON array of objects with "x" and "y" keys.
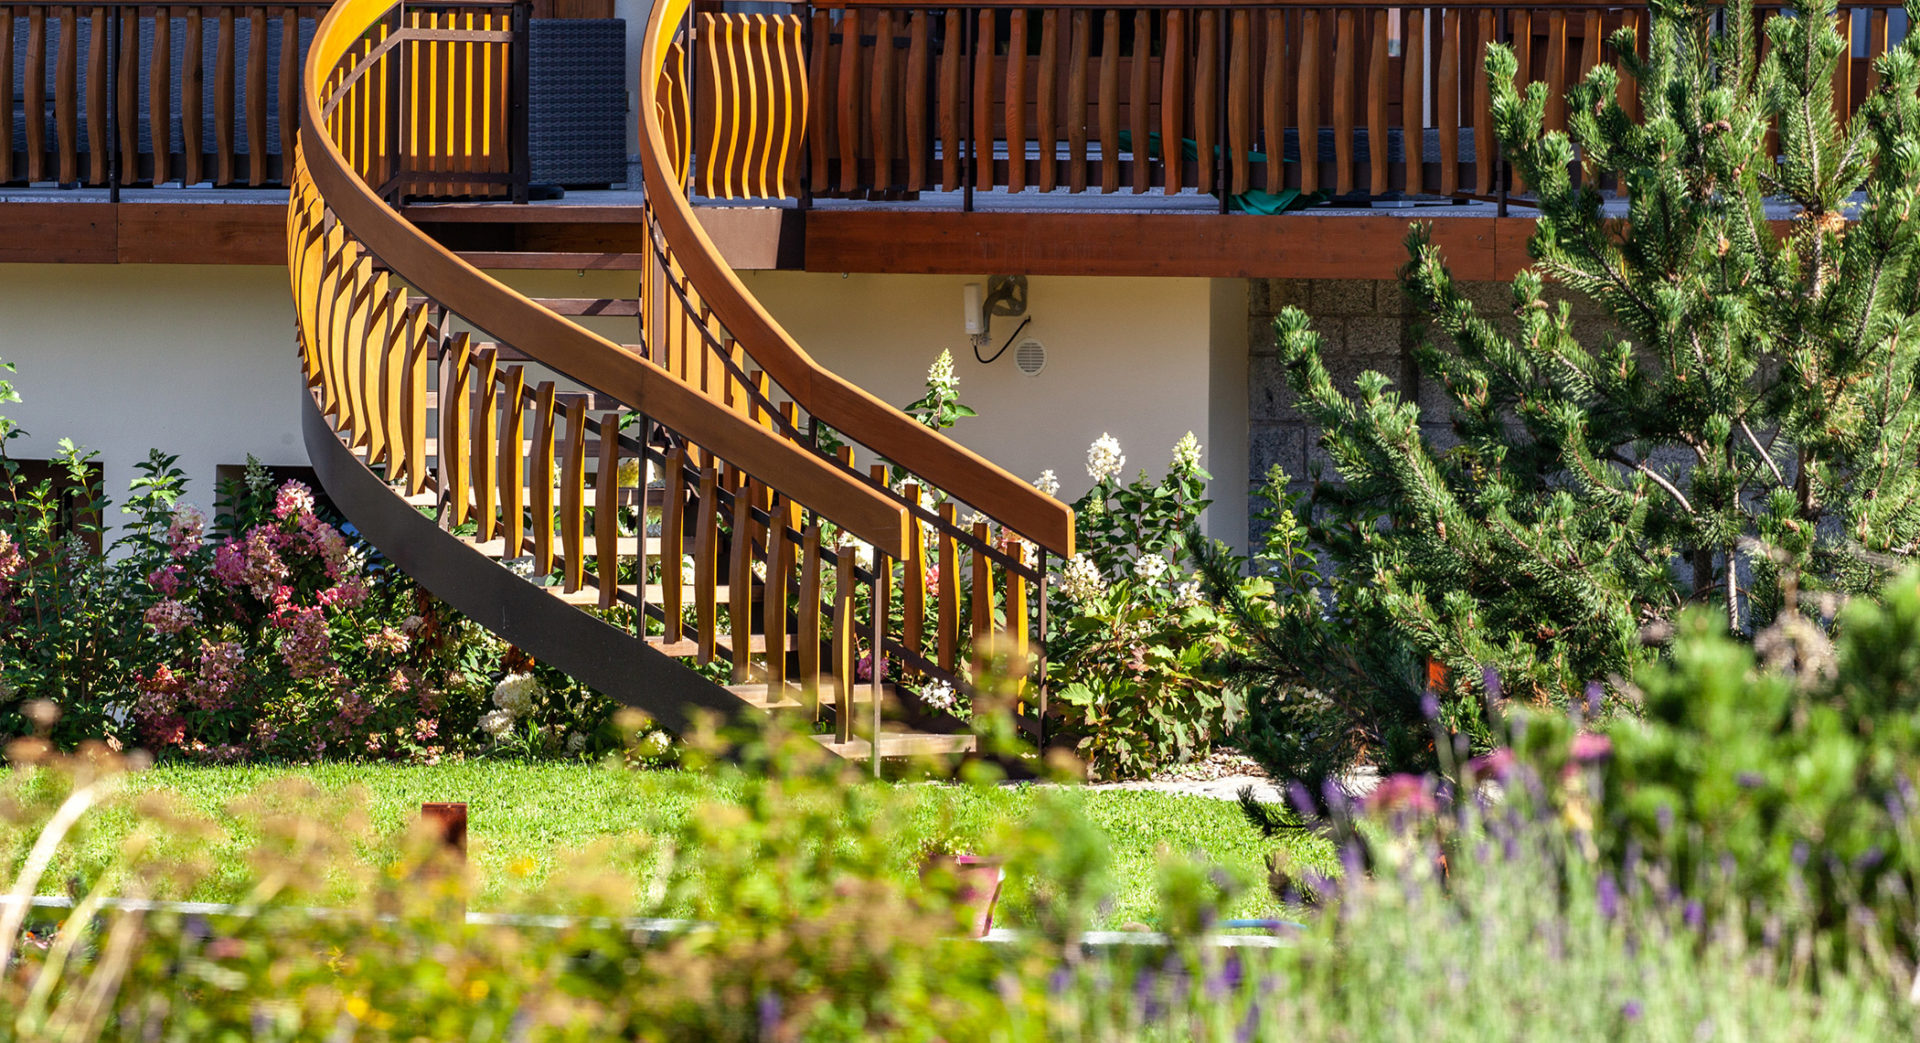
[
  {"x": 900, "y": 744},
  {"x": 762, "y": 697}
]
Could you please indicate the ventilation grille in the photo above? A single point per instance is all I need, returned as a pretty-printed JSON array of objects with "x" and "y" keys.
[{"x": 1031, "y": 357}]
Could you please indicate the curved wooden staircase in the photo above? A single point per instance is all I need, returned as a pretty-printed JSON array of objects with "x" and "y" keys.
[{"x": 661, "y": 521}]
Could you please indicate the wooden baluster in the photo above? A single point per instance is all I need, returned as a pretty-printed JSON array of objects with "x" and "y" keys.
[
  {"x": 740, "y": 580},
  {"x": 393, "y": 368},
  {"x": 842, "y": 643},
  {"x": 66, "y": 94},
  {"x": 983, "y": 175},
  {"x": 1273, "y": 107},
  {"x": 34, "y": 84},
  {"x": 1173, "y": 100},
  {"x": 1346, "y": 59},
  {"x": 454, "y": 418},
  {"x": 1241, "y": 100},
  {"x": 1206, "y": 102},
  {"x": 882, "y": 106},
  {"x": 413, "y": 388},
  {"x": 126, "y": 95},
  {"x": 819, "y": 102},
  {"x": 1377, "y": 103},
  {"x": 949, "y": 101},
  {"x": 1556, "y": 75},
  {"x": 540, "y": 482},
  {"x": 1876, "y": 45},
  {"x": 223, "y": 100},
  {"x": 880, "y": 601},
  {"x": 913, "y": 576},
  {"x": 606, "y": 513},
  {"x": 573, "y": 488},
  {"x": 485, "y": 446},
  {"x": 96, "y": 95},
  {"x": 849, "y": 126},
  {"x": 510, "y": 471},
  {"x": 1015, "y": 624},
  {"x": 1077, "y": 101},
  {"x": 918, "y": 57},
  {"x": 1413, "y": 83},
  {"x": 706, "y": 561},
  {"x": 1447, "y": 107},
  {"x": 345, "y": 315},
  {"x": 1047, "y": 100},
  {"x": 385, "y": 312},
  {"x": 981, "y": 582},
  {"x": 289, "y": 74},
  {"x": 949, "y": 589},
  {"x": 257, "y": 97},
  {"x": 1110, "y": 104},
  {"x": 193, "y": 85},
  {"x": 808, "y": 603},
  {"x": 1016, "y": 105},
  {"x": 673, "y": 514},
  {"x": 1842, "y": 70},
  {"x": 1309, "y": 94},
  {"x": 1139, "y": 118},
  {"x": 160, "y": 93},
  {"x": 1483, "y": 143},
  {"x": 773, "y": 593}
]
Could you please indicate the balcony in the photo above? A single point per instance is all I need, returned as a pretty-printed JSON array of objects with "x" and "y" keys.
[{"x": 862, "y": 135}]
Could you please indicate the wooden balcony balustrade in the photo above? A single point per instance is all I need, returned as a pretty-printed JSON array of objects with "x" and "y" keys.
[
  {"x": 444, "y": 420},
  {"x": 124, "y": 93},
  {"x": 1368, "y": 98}
]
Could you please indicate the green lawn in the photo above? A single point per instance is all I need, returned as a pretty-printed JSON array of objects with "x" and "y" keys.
[{"x": 529, "y": 819}]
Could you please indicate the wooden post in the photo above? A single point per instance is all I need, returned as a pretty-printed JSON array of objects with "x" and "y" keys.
[{"x": 449, "y": 821}]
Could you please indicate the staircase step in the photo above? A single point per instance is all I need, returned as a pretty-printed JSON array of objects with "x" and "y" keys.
[
  {"x": 628, "y": 547},
  {"x": 761, "y": 697},
  {"x": 900, "y": 744},
  {"x": 590, "y": 594}
]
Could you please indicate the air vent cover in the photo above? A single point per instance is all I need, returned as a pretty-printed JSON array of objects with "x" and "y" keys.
[{"x": 1031, "y": 357}]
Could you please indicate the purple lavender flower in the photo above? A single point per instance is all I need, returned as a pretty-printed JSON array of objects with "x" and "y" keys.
[
  {"x": 1491, "y": 679},
  {"x": 1694, "y": 915},
  {"x": 769, "y": 1013},
  {"x": 1596, "y": 695},
  {"x": 1608, "y": 892},
  {"x": 1869, "y": 859},
  {"x": 1799, "y": 854},
  {"x": 1497, "y": 764},
  {"x": 1249, "y": 1028},
  {"x": 1631, "y": 1010},
  {"x": 1429, "y": 705},
  {"x": 1302, "y": 800},
  {"x": 1751, "y": 780}
]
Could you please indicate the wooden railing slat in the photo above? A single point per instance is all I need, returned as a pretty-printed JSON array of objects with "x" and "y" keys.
[
  {"x": 949, "y": 620},
  {"x": 917, "y": 116},
  {"x": 65, "y": 94},
  {"x": 96, "y": 96},
  {"x": 1173, "y": 98},
  {"x": 808, "y": 634},
  {"x": 848, "y": 128},
  {"x": 1240, "y": 99},
  {"x": 740, "y": 582},
  {"x": 983, "y": 175},
  {"x": 1377, "y": 103},
  {"x": 1046, "y": 99},
  {"x": 1483, "y": 144},
  {"x": 192, "y": 86},
  {"x": 540, "y": 481},
  {"x": 1110, "y": 104},
  {"x": 1137, "y": 100},
  {"x": 223, "y": 89},
  {"x": 1413, "y": 81},
  {"x": 1447, "y": 107},
  {"x": 1206, "y": 98},
  {"x": 706, "y": 551},
  {"x": 1346, "y": 62},
  {"x": 1082, "y": 43},
  {"x": 510, "y": 471},
  {"x": 673, "y": 514},
  {"x": 485, "y": 442},
  {"x": 884, "y": 113},
  {"x": 1309, "y": 95},
  {"x": 1016, "y": 103},
  {"x": 951, "y": 44},
  {"x": 1273, "y": 100}
]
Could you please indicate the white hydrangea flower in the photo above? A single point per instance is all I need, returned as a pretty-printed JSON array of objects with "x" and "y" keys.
[
  {"x": 975, "y": 518},
  {"x": 1150, "y": 568},
  {"x": 496, "y": 723},
  {"x": 861, "y": 549},
  {"x": 1104, "y": 459},
  {"x": 686, "y": 570},
  {"x": 1188, "y": 595},
  {"x": 939, "y": 695},
  {"x": 1081, "y": 579},
  {"x": 516, "y": 692},
  {"x": 940, "y": 374},
  {"x": 759, "y": 570},
  {"x": 1047, "y": 483},
  {"x": 1186, "y": 453},
  {"x": 629, "y": 475}
]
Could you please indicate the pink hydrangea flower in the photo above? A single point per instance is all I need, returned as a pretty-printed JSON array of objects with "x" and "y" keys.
[
  {"x": 230, "y": 564},
  {"x": 293, "y": 500},
  {"x": 186, "y": 530},
  {"x": 1402, "y": 793},
  {"x": 350, "y": 593},
  {"x": 11, "y": 560},
  {"x": 168, "y": 617},
  {"x": 166, "y": 579},
  {"x": 387, "y": 639},
  {"x": 306, "y": 642},
  {"x": 220, "y": 669},
  {"x": 263, "y": 571},
  {"x": 1588, "y": 747}
]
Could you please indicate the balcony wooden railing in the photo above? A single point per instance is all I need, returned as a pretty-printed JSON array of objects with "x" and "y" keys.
[
  {"x": 436, "y": 387},
  {"x": 125, "y": 93},
  {"x": 1360, "y": 98}
]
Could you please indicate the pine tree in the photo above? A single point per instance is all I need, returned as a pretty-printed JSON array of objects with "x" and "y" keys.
[{"x": 1752, "y": 410}]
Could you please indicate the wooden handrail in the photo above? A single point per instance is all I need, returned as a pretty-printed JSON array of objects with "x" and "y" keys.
[
  {"x": 549, "y": 338},
  {"x": 853, "y": 411}
]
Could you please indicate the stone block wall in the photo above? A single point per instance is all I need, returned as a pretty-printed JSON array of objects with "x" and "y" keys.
[{"x": 1364, "y": 325}]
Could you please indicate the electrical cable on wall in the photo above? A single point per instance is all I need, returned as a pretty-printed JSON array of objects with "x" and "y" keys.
[{"x": 1003, "y": 347}]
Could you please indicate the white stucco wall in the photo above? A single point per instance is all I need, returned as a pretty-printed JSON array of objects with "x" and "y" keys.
[{"x": 196, "y": 361}]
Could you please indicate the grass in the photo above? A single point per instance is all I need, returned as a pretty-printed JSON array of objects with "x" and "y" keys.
[{"x": 529, "y": 819}]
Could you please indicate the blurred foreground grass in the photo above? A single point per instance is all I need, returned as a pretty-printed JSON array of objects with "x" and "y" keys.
[{"x": 529, "y": 820}]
